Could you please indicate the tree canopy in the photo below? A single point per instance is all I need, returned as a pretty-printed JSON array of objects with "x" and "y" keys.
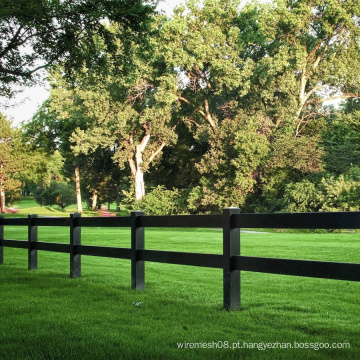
[
  {"x": 38, "y": 34},
  {"x": 225, "y": 106}
]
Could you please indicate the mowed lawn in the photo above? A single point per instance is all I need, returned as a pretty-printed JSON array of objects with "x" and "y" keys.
[{"x": 46, "y": 315}]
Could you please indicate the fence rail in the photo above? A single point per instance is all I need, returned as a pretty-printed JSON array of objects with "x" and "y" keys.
[{"x": 230, "y": 260}]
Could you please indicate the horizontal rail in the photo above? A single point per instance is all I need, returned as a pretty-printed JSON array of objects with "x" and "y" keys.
[
  {"x": 104, "y": 251},
  {"x": 51, "y": 221},
  {"x": 14, "y": 221},
  {"x": 188, "y": 221},
  {"x": 181, "y": 258},
  {"x": 48, "y": 246},
  {"x": 306, "y": 268},
  {"x": 20, "y": 244},
  {"x": 328, "y": 220},
  {"x": 119, "y": 221}
]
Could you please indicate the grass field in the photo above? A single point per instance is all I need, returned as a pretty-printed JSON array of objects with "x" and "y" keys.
[
  {"x": 46, "y": 315},
  {"x": 27, "y": 205}
]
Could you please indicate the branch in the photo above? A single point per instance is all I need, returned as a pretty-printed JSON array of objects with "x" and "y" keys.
[
  {"x": 12, "y": 42},
  {"x": 25, "y": 74},
  {"x": 144, "y": 142},
  {"x": 14, "y": 72},
  {"x": 192, "y": 121},
  {"x": 307, "y": 96},
  {"x": 208, "y": 115},
  {"x": 312, "y": 52},
  {"x": 157, "y": 152},
  {"x": 184, "y": 100},
  {"x": 39, "y": 67},
  {"x": 189, "y": 103},
  {"x": 132, "y": 166},
  {"x": 331, "y": 98},
  {"x": 303, "y": 82}
]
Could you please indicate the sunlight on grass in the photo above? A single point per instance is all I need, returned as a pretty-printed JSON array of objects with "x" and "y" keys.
[{"x": 48, "y": 315}]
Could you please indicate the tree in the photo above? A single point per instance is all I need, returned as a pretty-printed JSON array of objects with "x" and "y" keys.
[
  {"x": 244, "y": 89},
  {"x": 341, "y": 142},
  {"x": 237, "y": 153},
  {"x": 132, "y": 115},
  {"x": 200, "y": 46},
  {"x": 104, "y": 179},
  {"x": 10, "y": 163},
  {"x": 58, "y": 193},
  {"x": 309, "y": 54},
  {"x": 40, "y": 34},
  {"x": 136, "y": 132}
]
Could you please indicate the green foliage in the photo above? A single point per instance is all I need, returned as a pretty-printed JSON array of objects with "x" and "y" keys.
[
  {"x": 341, "y": 142},
  {"x": 342, "y": 193},
  {"x": 226, "y": 102},
  {"x": 230, "y": 169},
  {"x": 303, "y": 196},
  {"x": 61, "y": 32},
  {"x": 159, "y": 201},
  {"x": 131, "y": 115},
  {"x": 56, "y": 193},
  {"x": 45, "y": 196},
  {"x": 326, "y": 193},
  {"x": 11, "y": 162}
]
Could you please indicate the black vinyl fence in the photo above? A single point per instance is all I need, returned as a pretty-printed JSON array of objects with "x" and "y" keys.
[{"x": 230, "y": 260}]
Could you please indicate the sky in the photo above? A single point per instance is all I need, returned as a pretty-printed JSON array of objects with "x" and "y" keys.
[{"x": 24, "y": 105}]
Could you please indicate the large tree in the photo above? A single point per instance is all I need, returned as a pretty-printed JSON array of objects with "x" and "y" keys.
[
  {"x": 200, "y": 45},
  {"x": 37, "y": 34},
  {"x": 306, "y": 53},
  {"x": 51, "y": 133},
  {"x": 10, "y": 161},
  {"x": 131, "y": 115}
]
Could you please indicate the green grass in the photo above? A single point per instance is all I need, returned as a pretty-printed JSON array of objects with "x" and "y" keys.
[
  {"x": 27, "y": 205},
  {"x": 46, "y": 315}
]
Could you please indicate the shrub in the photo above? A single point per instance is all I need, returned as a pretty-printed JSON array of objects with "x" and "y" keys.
[
  {"x": 328, "y": 193},
  {"x": 159, "y": 201},
  {"x": 60, "y": 194},
  {"x": 342, "y": 194},
  {"x": 303, "y": 196}
]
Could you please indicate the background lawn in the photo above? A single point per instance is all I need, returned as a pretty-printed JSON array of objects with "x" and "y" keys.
[
  {"x": 27, "y": 205},
  {"x": 46, "y": 315}
]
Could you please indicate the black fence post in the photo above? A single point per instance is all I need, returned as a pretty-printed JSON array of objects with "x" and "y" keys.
[
  {"x": 1, "y": 238},
  {"x": 32, "y": 238},
  {"x": 137, "y": 242},
  {"x": 75, "y": 239},
  {"x": 231, "y": 247}
]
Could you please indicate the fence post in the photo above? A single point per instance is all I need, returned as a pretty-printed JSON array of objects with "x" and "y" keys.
[
  {"x": 231, "y": 246},
  {"x": 1, "y": 238},
  {"x": 75, "y": 239},
  {"x": 32, "y": 238},
  {"x": 137, "y": 242}
]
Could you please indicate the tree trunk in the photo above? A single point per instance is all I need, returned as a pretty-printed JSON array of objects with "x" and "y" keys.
[
  {"x": 2, "y": 200},
  {"x": 118, "y": 200},
  {"x": 139, "y": 176},
  {"x": 94, "y": 200},
  {"x": 77, "y": 188},
  {"x": 139, "y": 185},
  {"x": 2, "y": 191}
]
